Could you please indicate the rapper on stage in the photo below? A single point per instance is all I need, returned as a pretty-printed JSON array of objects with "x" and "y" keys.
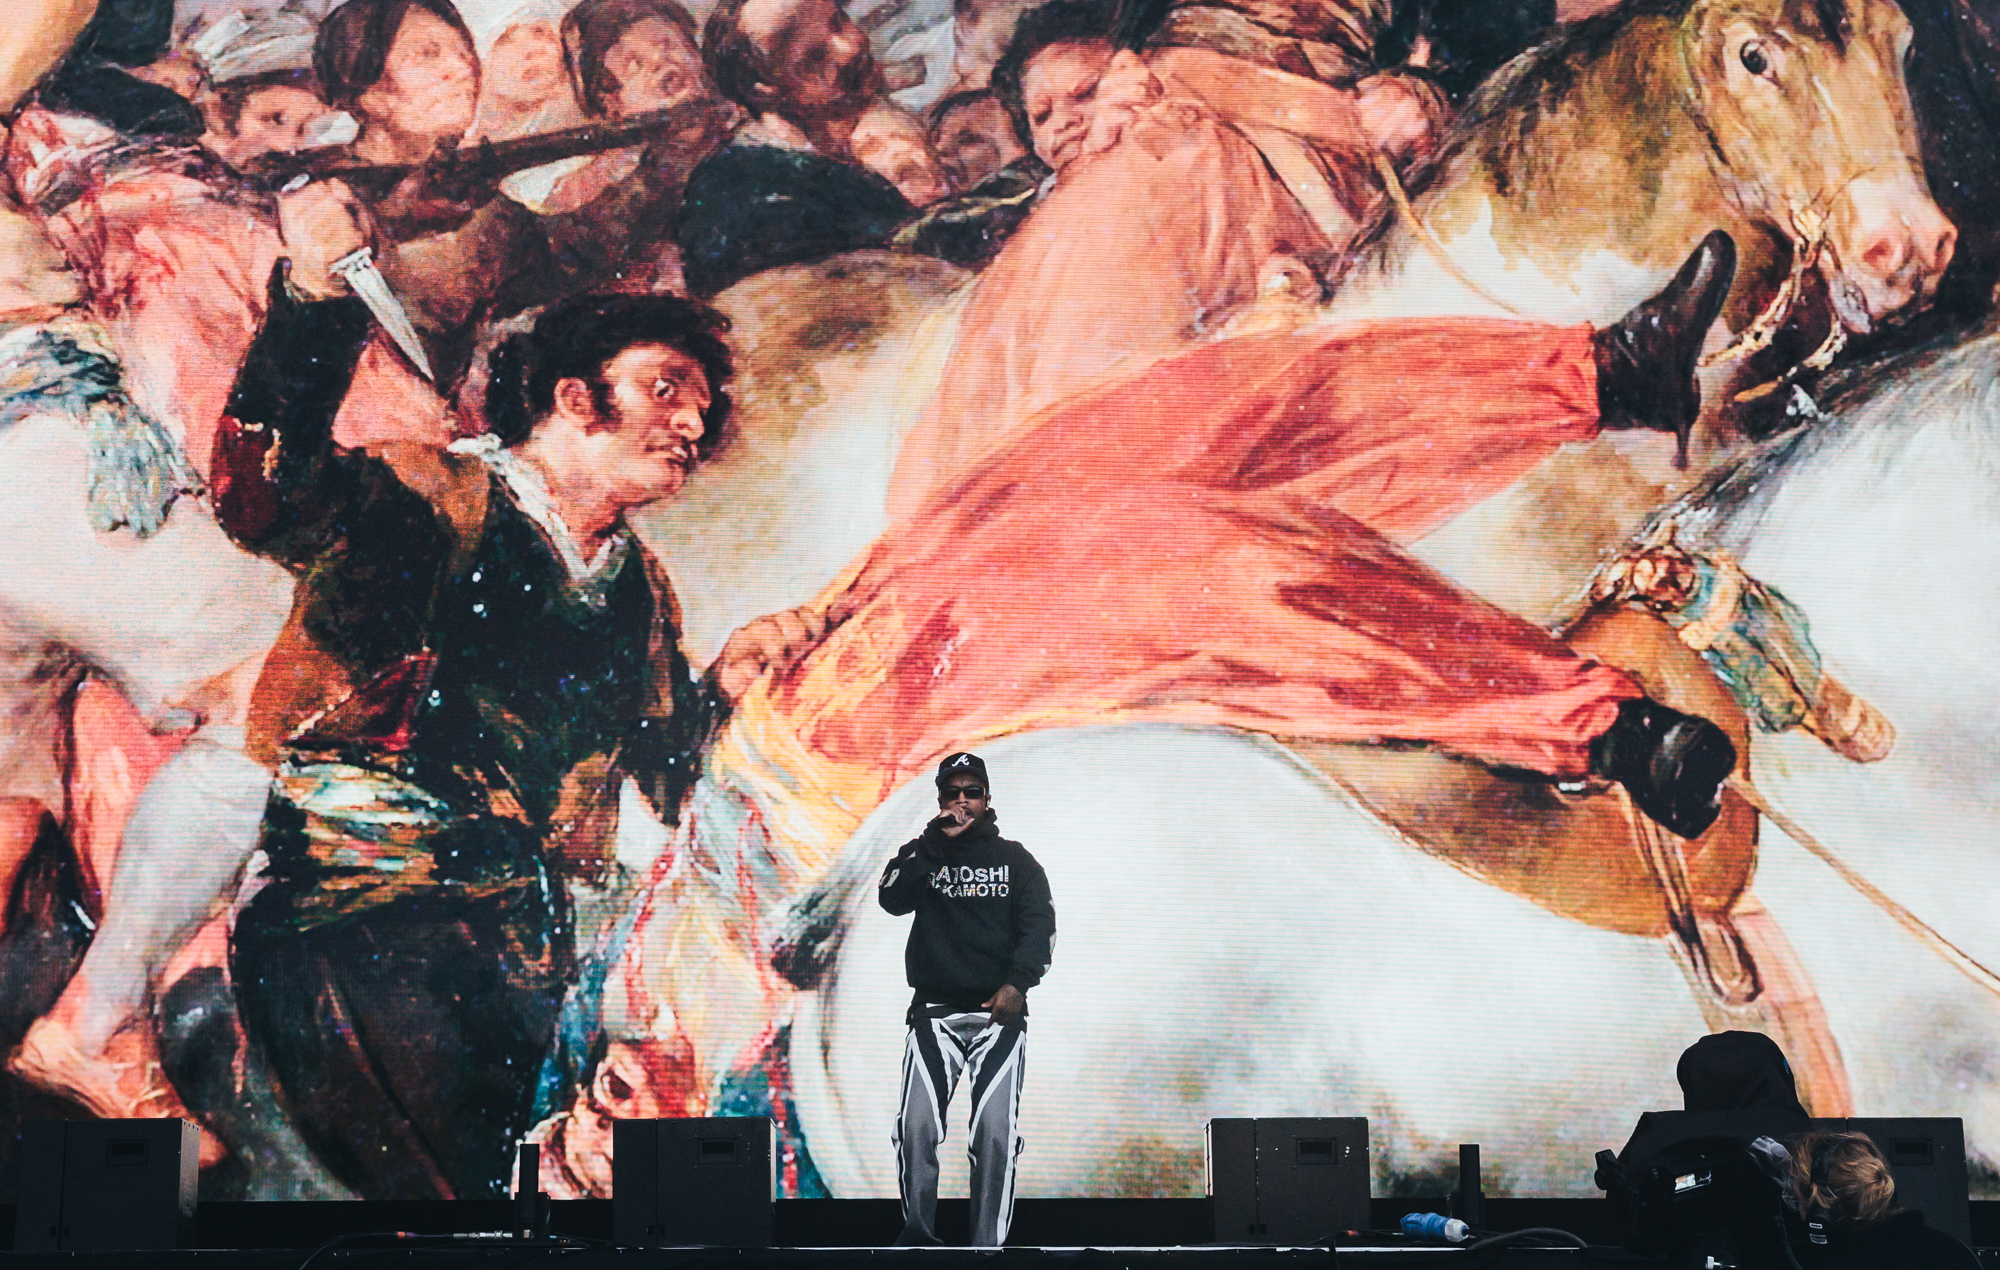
[{"x": 982, "y": 937}]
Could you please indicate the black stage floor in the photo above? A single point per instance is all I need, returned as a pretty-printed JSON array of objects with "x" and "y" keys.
[
  {"x": 825, "y": 1223},
  {"x": 518, "y": 1257},
  {"x": 1102, "y": 1234}
]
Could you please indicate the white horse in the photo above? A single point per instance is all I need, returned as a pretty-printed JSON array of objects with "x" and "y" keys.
[
  {"x": 1239, "y": 938},
  {"x": 1253, "y": 944},
  {"x": 166, "y": 617},
  {"x": 1594, "y": 96},
  {"x": 1878, "y": 527}
]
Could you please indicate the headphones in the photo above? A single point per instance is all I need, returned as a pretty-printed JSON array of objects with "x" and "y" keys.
[{"x": 1815, "y": 1216}]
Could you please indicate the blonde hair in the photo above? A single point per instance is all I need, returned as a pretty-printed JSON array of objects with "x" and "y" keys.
[{"x": 1854, "y": 1184}]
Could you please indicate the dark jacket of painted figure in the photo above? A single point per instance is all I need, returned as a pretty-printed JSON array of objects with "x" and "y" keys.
[
  {"x": 449, "y": 709},
  {"x": 752, "y": 207}
]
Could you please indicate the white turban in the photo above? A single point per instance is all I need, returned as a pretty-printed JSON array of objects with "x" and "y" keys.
[{"x": 241, "y": 44}]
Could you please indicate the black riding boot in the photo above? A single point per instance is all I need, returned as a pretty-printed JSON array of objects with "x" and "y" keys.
[
  {"x": 1646, "y": 362},
  {"x": 1672, "y": 764}
]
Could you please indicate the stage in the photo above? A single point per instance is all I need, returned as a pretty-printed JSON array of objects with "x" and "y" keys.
[
  {"x": 520, "y": 1257},
  {"x": 1048, "y": 1234}
]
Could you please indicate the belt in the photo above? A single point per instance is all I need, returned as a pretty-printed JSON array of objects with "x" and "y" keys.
[{"x": 362, "y": 839}]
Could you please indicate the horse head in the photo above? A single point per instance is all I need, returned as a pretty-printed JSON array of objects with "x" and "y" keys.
[{"x": 1810, "y": 128}]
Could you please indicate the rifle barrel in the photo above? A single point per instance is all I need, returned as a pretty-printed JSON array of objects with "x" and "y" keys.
[{"x": 484, "y": 160}]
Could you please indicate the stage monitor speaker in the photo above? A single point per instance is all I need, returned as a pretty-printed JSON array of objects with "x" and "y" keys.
[
  {"x": 106, "y": 1185},
  {"x": 1927, "y": 1157},
  {"x": 1291, "y": 1181},
  {"x": 709, "y": 1181}
]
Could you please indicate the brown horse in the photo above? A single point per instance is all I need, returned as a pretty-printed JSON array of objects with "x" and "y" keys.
[{"x": 1582, "y": 175}]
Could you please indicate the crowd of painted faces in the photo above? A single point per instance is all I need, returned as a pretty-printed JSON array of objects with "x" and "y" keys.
[{"x": 784, "y": 143}]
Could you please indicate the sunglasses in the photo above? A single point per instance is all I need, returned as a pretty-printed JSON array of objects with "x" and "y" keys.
[{"x": 953, "y": 793}]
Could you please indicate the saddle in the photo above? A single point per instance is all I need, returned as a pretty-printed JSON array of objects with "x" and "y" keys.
[
  {"x": 1591, "y": 856},
  {"x": 1701, "y": 636}
]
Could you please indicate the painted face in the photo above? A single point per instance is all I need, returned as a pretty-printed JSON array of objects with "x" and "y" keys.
[
  {"x": 653, "y": 66},
  {"x": 891, "y": 142},
  {"x": 818, "y": 60},
  {"x": 980, "y": 30},
  {"x": 177, "y": 72},
  {"x": 429, "y": 81},
  {"x": 524, "y": 68},
  {"x": 1059, "y": 90},
  {"x": 975, "y": 140},
  {"x": 648, "y": 439},
  {"x": 275, "y": 119}
]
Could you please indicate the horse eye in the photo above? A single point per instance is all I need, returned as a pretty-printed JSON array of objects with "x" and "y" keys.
[{"x": 1754, "y": 60}]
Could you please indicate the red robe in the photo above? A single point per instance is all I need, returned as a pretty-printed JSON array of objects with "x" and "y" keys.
[
  {"x": 1136, "y": 253},
  {"x": 1216, "y": 542},
  {"x": 1147, "y": 249}
]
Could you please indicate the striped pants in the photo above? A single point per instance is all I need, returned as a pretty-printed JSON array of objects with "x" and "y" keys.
[{"x": 943, "y": 1045}]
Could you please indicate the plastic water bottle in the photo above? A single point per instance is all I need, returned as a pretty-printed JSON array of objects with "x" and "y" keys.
[{"x": 1436, "y": 1227}]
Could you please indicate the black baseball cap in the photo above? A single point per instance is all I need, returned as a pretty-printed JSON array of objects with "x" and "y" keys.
[{"x": 962, "y": 764}]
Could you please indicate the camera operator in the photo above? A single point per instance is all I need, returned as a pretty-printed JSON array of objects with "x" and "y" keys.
[
  {"x": 1733, "y": 1084},
  {"x": 1706, "y": 1185},
  {"x": 1841, "y": 1182}
]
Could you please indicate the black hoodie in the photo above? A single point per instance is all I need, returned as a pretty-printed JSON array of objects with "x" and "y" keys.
[
  {"x": 983, "y": 914},
  {"x": 1735, "y": 1085}
]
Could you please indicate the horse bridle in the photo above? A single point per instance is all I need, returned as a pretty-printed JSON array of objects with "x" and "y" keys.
[
  {"x": 1809, "y": 222},
  {"x": 1808, "y": 233}
]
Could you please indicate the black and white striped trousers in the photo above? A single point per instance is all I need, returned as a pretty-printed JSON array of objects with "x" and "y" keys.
[{"x": 944, "y": 1044}]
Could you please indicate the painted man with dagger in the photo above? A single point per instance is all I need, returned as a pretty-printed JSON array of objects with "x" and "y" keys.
[
  {"x": 480, "y": 651},
  {"x": 110, "y": 202}
]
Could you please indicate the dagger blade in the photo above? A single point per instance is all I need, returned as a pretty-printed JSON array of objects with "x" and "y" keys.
[{"x": 367, "y": 282}]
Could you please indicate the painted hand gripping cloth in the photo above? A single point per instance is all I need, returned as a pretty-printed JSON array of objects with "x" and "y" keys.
[{"x": 1457, "y": 528}]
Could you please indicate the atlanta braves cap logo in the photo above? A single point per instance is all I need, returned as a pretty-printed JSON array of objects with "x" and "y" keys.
[{"x": 960, "y": 764}]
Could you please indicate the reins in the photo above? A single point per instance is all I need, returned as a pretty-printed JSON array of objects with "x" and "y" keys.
[
  {"x": 1808, "y": 237},
  {"x": 1920, "y": 930},
  {"x": 1808, "y": 227},
  {"x": 1401, "y": 198}
]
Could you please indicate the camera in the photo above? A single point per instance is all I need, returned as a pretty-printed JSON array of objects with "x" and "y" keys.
[{"x": 1711, "y": 1202}]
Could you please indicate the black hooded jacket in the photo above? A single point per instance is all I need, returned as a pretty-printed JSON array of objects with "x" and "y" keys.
[
  {"x": 1734, "y": 1085},
  {"x": 1738, "y": 1089},
  {"x": 984, "y": 918}
]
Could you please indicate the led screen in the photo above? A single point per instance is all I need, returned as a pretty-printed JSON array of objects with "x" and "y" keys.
[{"x": 1461, "y": 550}]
